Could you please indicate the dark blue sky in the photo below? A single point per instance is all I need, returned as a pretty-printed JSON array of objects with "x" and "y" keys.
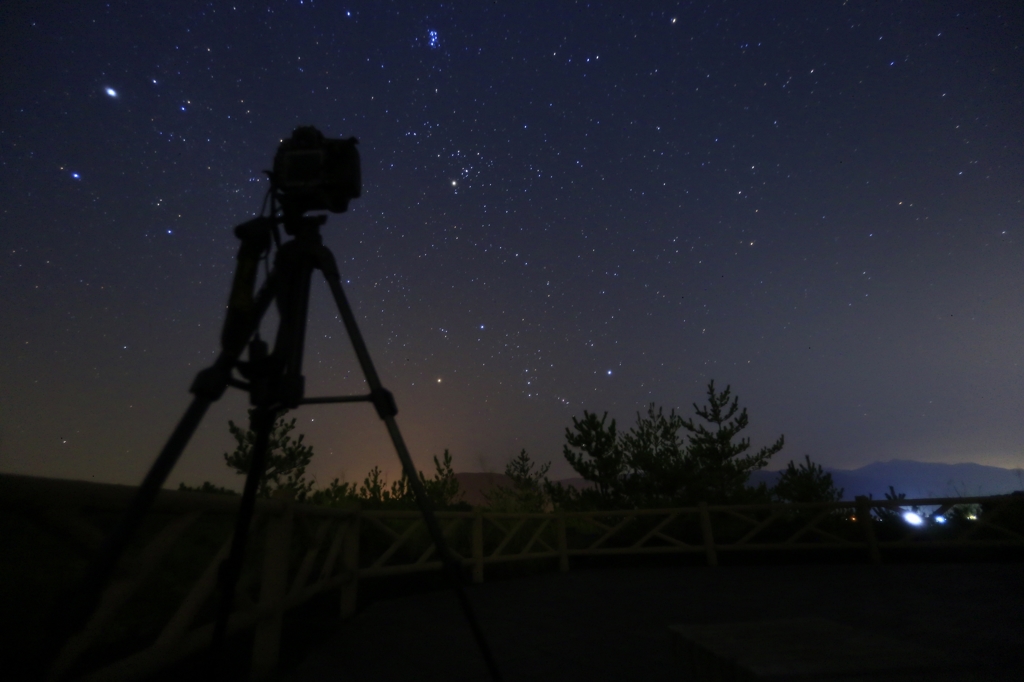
[{"x": 566, "y": 206}]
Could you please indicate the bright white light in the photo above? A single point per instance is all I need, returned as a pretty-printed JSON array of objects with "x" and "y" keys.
[
  {"x": 111, "y": 92},
  {"x": 912, "y": 518},
  {"x": 939, "y": 519}
]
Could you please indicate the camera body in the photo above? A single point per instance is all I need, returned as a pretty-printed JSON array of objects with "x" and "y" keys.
[{"x": 314, "y": 173}]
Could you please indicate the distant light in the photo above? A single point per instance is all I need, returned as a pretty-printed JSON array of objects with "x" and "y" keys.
[
  {"x": 76, "y": 176},
  {"x": 912, "y": 518},
  {"x": 111, "y": 92},
  {"x": 609, "y": 372},
  {"x": 939, "y": 519},
  {"x": 972, "y": 517}
]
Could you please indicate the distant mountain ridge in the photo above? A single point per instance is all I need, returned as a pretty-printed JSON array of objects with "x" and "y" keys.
[{"x": 915, "y": 479}]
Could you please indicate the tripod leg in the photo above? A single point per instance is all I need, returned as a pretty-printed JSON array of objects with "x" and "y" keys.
[
  {"x": 82, "y": 602},
  {"x": 208, "y": 387},
  {"x": 452, "y": 567},
  {"x": 386, "y": 409},
  {"x": 262, "y": 422}
]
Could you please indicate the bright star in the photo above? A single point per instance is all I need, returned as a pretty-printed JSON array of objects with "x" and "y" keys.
[{"x": 111, "y": 92}]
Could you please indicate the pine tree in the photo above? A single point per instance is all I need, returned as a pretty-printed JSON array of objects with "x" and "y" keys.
[
  {"x": 526, "y": 492},
  {"x": 287, "y": 459},
  {"x": 594, "y": 451},
  {"x": 657, "y": 458},
  {"x": 442, "y": 489},
  {"x": 720, "y": 468},
  {"x": 653, "y": 465},
  {"x": 808, "y": 482}
]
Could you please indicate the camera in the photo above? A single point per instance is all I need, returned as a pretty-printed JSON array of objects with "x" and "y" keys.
[{"x": 314, "y": 173}]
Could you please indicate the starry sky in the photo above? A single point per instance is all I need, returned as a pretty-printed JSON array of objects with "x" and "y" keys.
[{"x": 566, "y": 206}]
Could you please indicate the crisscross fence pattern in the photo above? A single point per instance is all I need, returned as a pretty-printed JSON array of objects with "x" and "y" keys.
[{"x": 161, "y": 605}]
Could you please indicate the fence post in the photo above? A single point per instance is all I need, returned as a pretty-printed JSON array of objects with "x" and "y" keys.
[
  {"x": 266, "y": 645},
  {"x": 709, "y": 538},
  {"x": 478, "y": 546},
  {"x": 350, "y": 564},
  {"x": 868, "y": 524},
  {"x": 563, "y": 543}
]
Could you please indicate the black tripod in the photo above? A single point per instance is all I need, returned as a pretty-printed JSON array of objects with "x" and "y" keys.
[{"x": 275, "y": 383}]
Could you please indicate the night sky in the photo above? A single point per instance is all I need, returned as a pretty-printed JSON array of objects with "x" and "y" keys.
[{"x": 566, "y": 207}]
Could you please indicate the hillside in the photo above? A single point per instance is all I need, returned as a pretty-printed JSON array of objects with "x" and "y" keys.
[{"x": 919, "y": 479}]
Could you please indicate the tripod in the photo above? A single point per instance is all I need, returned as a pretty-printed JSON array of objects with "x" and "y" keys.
[{"x": 275, "y": 383}]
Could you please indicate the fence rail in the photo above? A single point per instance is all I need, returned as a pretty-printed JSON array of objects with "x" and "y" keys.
[{"x": 162, "y": 599}]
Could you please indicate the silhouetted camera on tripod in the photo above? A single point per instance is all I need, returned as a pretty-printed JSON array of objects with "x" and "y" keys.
[
  {"x": 314, "y": 173},
  {"x": 311, "y": 173}
]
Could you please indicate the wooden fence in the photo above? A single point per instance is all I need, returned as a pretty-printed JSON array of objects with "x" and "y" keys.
[{"x": 160, "y": 607}]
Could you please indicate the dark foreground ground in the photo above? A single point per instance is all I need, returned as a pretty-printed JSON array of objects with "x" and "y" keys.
[{"x": 612, "y": 624}]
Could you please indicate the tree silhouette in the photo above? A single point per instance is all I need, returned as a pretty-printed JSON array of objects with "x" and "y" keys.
[
  {"x": 665, "y": 459},
  {"x": 807, "y": 482},
  {"x": 595, "y": 453},
  {"x": 721, "y": 468},
  {"x": 375, "y": 493},
  {"x": 287, "y": 458},
  {"x": 526, "y": 493},
  {"x": 660, "y": 466}
]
